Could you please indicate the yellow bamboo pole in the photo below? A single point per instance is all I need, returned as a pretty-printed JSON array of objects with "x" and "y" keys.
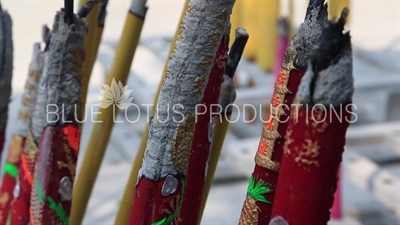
[
  {"x": 267, "y": 33},
  {"x": 126, "y": 201},
  {"x": 221, "y": 128},
  {"x": 250, "y": 20},
  {"x": 335, "y": 8},
  {"x": 91, "y": 51},
  {"x": 101, "y": 131}
]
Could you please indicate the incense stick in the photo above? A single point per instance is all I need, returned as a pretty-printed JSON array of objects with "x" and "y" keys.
[
  {"x": 127, "y": 198},
  {"x": 92, "y": 8},
  {"x": 227, "y": 97},
  {"x": 202, "y": 137},
  {"x": 101, "y": 131},
  {"x": 162, "y": 178},
  {"x": 6, "y": 70},
  {"x": 21, "y": 203},
  {"x": 8, "y": 189},
  {"x": 315, "y": 137},
  {"x": 6, "y": 73},
  {"x": 59, "y": 144},
  {"x": 262, "y": 186}
]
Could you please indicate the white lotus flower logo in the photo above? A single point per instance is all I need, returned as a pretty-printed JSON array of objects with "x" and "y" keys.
[{"x": 116, "y": 94}]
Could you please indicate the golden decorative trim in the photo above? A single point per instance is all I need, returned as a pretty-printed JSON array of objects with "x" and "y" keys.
[
  {"x": 70, "y": 165},
  {"x": 250, "y": 211},
  {"x": 310, "y": 151},
  {"x": 31, "y": 149},
  {"x": 198, "y": 84},
  {"x": 319, "y": 119},
  {"x": 266, "y": 162},
  {"x": 4, "y": 198},
  {"x": 270, "y": 133},
  {"x": 182, "y": 143},
  {"x": 288, "y": 141},
  {"x": 35, "y": 75},
  {"x": 15, "y": 149}
]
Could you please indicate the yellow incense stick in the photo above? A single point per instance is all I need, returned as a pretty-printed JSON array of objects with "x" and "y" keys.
[
  {"x": 335, "y": 8},
  {"x": 221, "y": 128},
  {"x": 126, "y": 201},
  {"x": 250, "y": 20},
  {"x": 267, "y": 33},
  {"x": 101, "y": 131},
  {"x": 91, "y": 51}
]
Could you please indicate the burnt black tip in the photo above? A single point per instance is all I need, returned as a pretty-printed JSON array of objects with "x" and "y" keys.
[
  {"x": 313, "y": 4},
  {"x": 103, "y": 13},
  {"x": 69, "y": 11},
  {"x": 236, "y": 51},
  {"x": 332, "y": 41}
]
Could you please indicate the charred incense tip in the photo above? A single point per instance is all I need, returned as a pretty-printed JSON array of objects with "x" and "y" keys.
[
  {"x": 305, "y": 42},
  {"x": 283, "y": 27},
  {"x": 228, "y": 93},
  {"x": 86, "y": 8},
  {"x": 236, "y": 51},
  {"x": 46, "y": 36},
  {"x": 64, "y": 69},
  {"x": 329, "y": 78},
  {"x": 138, "y": 8},
  {"x": 103, "y": 13},
  {"x": 312, "y": 5},
  {"x": 240, "y": 32}
]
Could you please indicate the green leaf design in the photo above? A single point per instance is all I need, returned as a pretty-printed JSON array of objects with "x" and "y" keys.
[
  {"x": 161, "y": 222},
  {"x": 258, "y": 190}
]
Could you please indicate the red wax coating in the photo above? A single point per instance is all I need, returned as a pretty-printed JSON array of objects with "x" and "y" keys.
[
  {"x": 267, "y": 175},
  {"x": 201, "y": 144},
  {"x": 56, "y": 160},
  {"x": 148, "y": 209},
  {"x": 308, "y": 174}
]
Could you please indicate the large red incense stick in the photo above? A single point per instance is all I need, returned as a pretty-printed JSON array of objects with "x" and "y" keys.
[
  {"x": 59, "y": 143},
  {"x": 163, "y": 177},
  {"x": 261, "y": 190},
  {"x": 8, "y": 190},
  {"x": 315, "y": 137},
  {"x": 202, "y": 138},
  {"x": 6, "y": 71},
  {"x": 22, "y": 195}
]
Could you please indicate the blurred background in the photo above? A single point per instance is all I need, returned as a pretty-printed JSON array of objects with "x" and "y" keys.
[{"x": 370, "y": 184}]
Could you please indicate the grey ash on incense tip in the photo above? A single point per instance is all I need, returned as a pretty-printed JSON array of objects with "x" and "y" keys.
[
  {"x": 305, "y": 42},
  {"x": 31, "y": 89},
  {"x": 66, "y": 54},
  {"x": 329, "y": 77}
]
